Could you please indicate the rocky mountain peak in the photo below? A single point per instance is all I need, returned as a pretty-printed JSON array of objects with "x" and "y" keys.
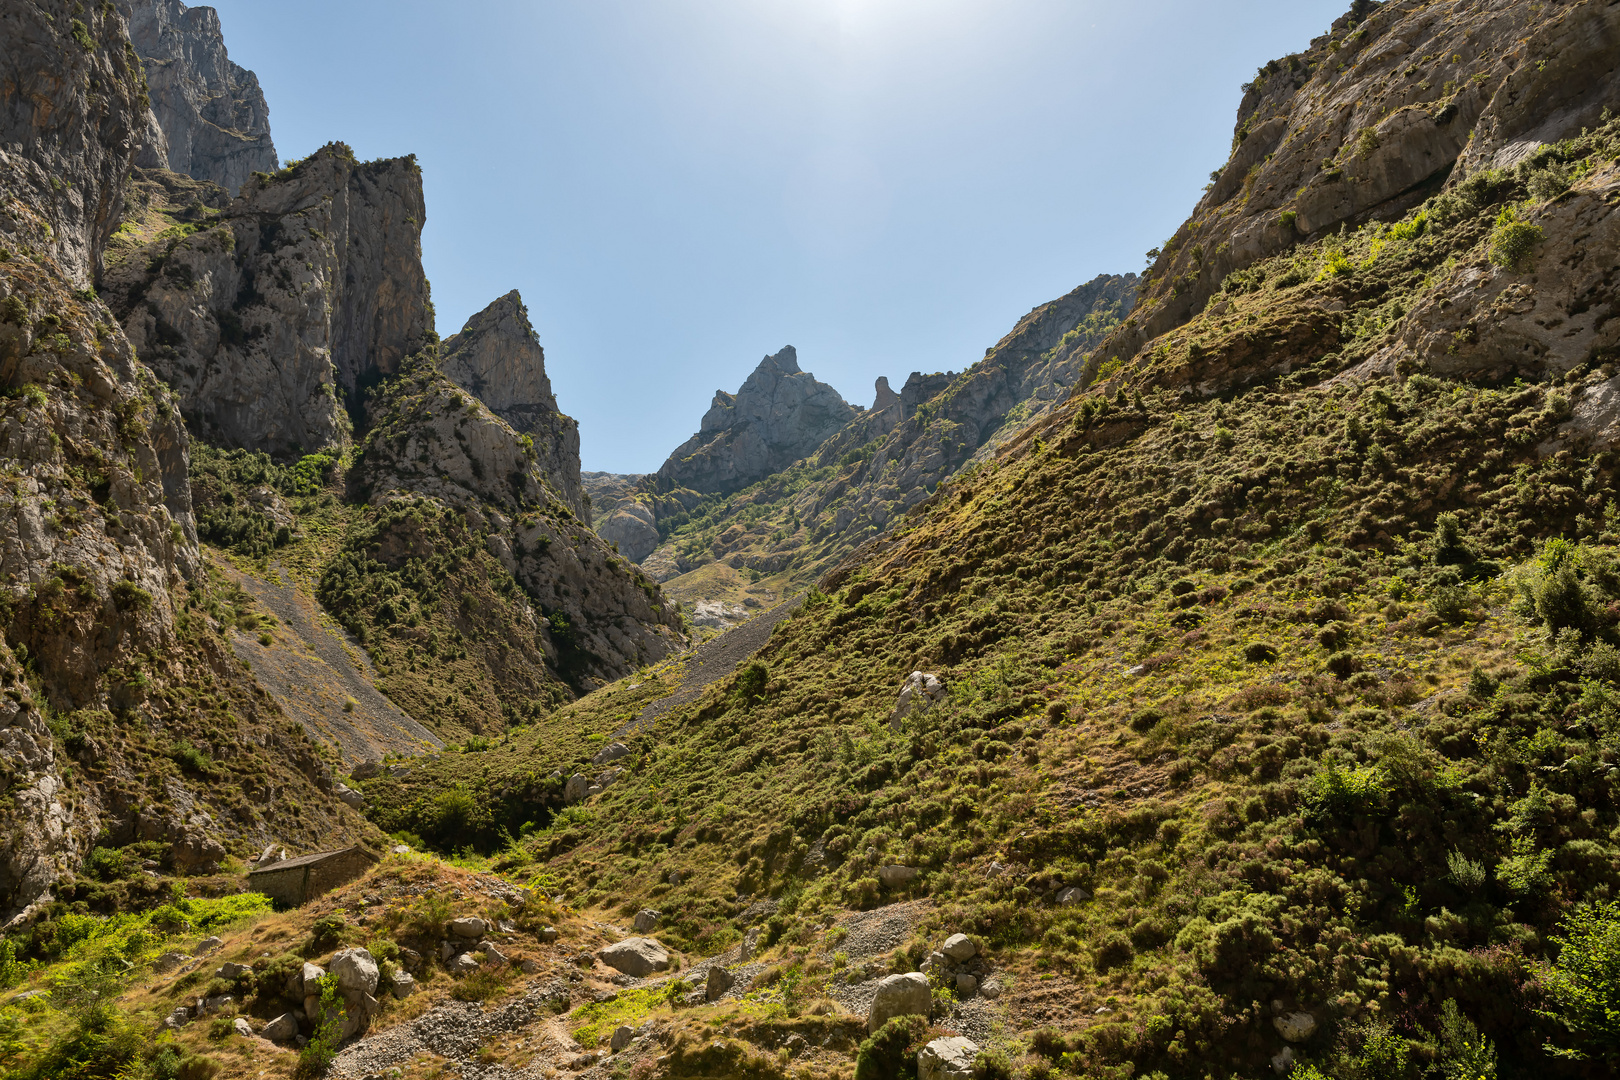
[
  {"x": 211, "y": 117},
  {"x": 779, "y": 416},
  {"x": 498, "y": 359},
  {"x": 885, "y": 396}
]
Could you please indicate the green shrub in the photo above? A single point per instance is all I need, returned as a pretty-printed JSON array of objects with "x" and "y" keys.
[
  {"x": 1467, "y": 874},
  {"x": 1465, "y": 1054},
  {"x": 317, "y": 1055},
  {"x": 891, "y": 1052},
  {"x": 1582, "y": 986},
  {"x": 1342, "y": 791},
  {"x": 1513, "y": 240}
]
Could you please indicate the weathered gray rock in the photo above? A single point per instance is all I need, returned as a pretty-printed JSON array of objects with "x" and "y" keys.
[
  {"x": 921, "y": 690},
  {"x": 631, "y": 526},
  {"x": 350, "y": 796},
  {"x": 950, "y": 1058},
  {"x": 613, "y": 751},
  {"x": 270, "y": 323},
  {"x": 636, "y": 956},
  {"x": 719, "y": 981},
  {"x": 230, "y": 972},
  {"x": 462, "y": 964},
  {"x": 283, "y": 1029},
  {"x": 899, "y": 995},
  {"x": 355, "y": 970},
  {"x": 208, "y": 945},
  {"x": 365, "y": 770},
  {"x": 217, "y": 1003},
  {"x": 528, "y": 966},
  {"x": 469, "y": 926},
  {"x": 990, "y": 989},
  {"x": 886, "y": 397},
  {"x": 966, "y": 984},
  {"x": 403, "y": 985},
  {"x": 167, "y": 962},
  {"x": 894, "y": 877},
  {"x": 309, "y": 980},
  {"x": 647, "y": 919},
  {"x": 491, "y": 953},
  {"x": 241, "y": 1027},
  {"x": 960, "y": 948},
  {"x": 270, "y": 855},
  {"x": 548, "y": 933},
  {"x": 622, "y": 1037},
  {"x": 497, "y": 358},
  {"x": 574, "y": 790},
  {"x": 1295, "y": 1026},
  {"x": 780, "y": 415}
]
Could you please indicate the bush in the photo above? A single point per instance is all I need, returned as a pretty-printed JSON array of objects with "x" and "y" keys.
[
  {"x": 1513, "y": 240},
  {"x": 891, "y": 1052},
  {"x": 1583, "y": 985},
  {"x": 1465, "y": 1054},
  {"x": 1342, "y": 792}
]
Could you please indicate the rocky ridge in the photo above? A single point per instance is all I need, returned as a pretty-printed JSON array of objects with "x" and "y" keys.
[
  {"x": 497, "y": 358},
  {"x": 271, "y": 317},
  {"x": 211, "y": 120}
]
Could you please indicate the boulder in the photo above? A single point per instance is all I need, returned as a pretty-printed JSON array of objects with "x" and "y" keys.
[
  {"x": 647, "y": 919},
  {"x": 401, "y": 849},
  {"x": 1283, "y": 1061},
  {"x": 947, "y": 1059},
  {"x": 960, "y": 948},
  {"x": 966, "y": 984},
  {"x": 180, "y": 1017},
  {"x": 348, "y": 795},
  {"x": 356, "y": 971},
  {"x": 574, "y": 791},
  {"x": 215, "y": 1004},
  {"x": 920, "y": 691},
  {"x": 529, "y": 967},
  {"x": 622, "y": 1037},
  {"x": 270, "y": 855},
  {"x": 463, "y": 964},
  {"x": 613, "y": 751},
  {"x": 1072, "y": 895},
  {"x": 366, "y": 770},
  {"x": 208, "y": 945},
  {"x": 899, "y": 995},
  {"x": 1295, "y": 1026},
  {"x": 283, "y": 1029},
  {"x": 990, "y": 989},
  {"x": 404, "y": 985},
  {"x": 242, "y": 1027},
  {"x": 636, "y": 956},
  {"x": 894, "y": 877},
  {"x": 168, "y": 962},
  {"x": 230, "y": 972},
  {"x": 492, "y": 954},
  {"x": 469, "y": 927},
  {"x": 720, "y": 980},
  {"x": 410, "y": 959},
  {"x": 447, "y": 949},
  {"x": 549, "y": 933}
]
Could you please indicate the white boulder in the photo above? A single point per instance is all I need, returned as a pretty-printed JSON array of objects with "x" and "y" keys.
[
  {"x": 899, "y": 995},
  {"x": 637, "y": 956},
  {"x": 947, "y": 1059}
]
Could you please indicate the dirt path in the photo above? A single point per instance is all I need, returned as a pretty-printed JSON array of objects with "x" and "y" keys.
[
  {"x": 714, "y": 660},
  {"x": 314, "y": 670}
]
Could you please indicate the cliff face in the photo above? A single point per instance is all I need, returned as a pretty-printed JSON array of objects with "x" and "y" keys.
[
  {"x": 1372, "y": 119},
  {"x": 600, "y": 617},
  {"x": 103, "y": 595},
  {"x": 497, "y": 358},
  {"x": 272, "y": 317},
  {"x": 780, "y": 415},
  {"x": 213, "y": 122}
]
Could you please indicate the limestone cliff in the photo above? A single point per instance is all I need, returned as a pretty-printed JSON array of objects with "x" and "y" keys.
[
  {"x": 1395, "y": 102},
  {"x": 212, "y": 120},
  {"x": 106, "y": 610},
  {"x": 271, "y": 318},
  {"x": 497, "y": 358},
  {"x": 429, "y": 439},
  {"x": 779, "y": 416}
]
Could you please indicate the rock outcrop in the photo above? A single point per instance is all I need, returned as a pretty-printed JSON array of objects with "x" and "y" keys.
[
  {"x": 497, "y": 358},
  {"x": 429, "y": 438},
  {"x": 211, "y": 117},
  {"x": 779, "y": 416},
  {"x": 1376, "y": 116},
  {"x": 272, "y": 318}
]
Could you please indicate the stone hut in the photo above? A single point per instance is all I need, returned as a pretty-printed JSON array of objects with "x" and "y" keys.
[{"x": 299, "y": 880}]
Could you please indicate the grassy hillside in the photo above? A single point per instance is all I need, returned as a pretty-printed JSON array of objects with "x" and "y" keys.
[{"x": 1311, "y": 686}]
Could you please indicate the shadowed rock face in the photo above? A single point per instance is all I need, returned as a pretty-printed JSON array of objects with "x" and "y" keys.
[
  {"x": 497, "y": 358},
  {"x": 780, "y": 415},
  {"x": 272, "y": 322},
  {"x": 211, "y": 115}
]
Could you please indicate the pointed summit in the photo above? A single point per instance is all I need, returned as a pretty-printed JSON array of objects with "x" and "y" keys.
[
  {"x": 498, "y": 359},
  {"x": 780, "y": 415}
]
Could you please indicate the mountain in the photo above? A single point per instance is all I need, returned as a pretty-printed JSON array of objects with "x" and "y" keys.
[{"x": 211, "y": 119}]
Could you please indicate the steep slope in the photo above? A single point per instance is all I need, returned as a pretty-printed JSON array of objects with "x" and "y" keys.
[
  {"x": 127, "y": 720},
  {"x": 271, "y": 317},
  {"x": 497, "y": 358},
  {"x": 1279, "y": 683},
  {"x": 213, "y": 122}
]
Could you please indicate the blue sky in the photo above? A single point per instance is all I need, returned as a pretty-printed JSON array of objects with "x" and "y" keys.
[{"x": 679, "y": 187}]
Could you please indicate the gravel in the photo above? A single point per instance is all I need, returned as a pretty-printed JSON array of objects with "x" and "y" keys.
[{"x": 453, "y": 1030}]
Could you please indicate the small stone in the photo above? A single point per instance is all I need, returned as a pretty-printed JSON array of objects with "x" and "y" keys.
[
  {"x": 404, "y": 985},
  {"x": 548, "y": 933},
  {"x": 411, "y": 959},
  {"x": 947, "y": 1059},
  {"x": 795, "y": 1044},
  {"x": 242, "y": 1027},
  {"x": 230, "y": 972},
  {"x": 990, "y": 989},
  {"x": 492, "y": 954},
  {"x": 463, "y": 964},
  {"x": 622, "y": 1037},
  {"x": 1295, "y": 1026},
  {"x": 215, "y": 1004},
  {"x": 966, "y": 984},
  {"x": 899, "y": 995},
  {"x": 168, "y": 962},
  {"x": 447, "y": 950},
  {"x": 613, "y": 751},
  {"x": 469, "y": 927},
  {"x": 647, "y": 919},
  {"x": 208, "y": 945},
  {"x": 720, "y": 980},
  {"x": 1072, "y": 895},
  {"x": 529, "y": 967},
  {"x": 401, "y": 849},
  {"x": 959, "y": 947},
  {"x": 180, "y": 1017},
  {"x": 1282, "y": 1061}
]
